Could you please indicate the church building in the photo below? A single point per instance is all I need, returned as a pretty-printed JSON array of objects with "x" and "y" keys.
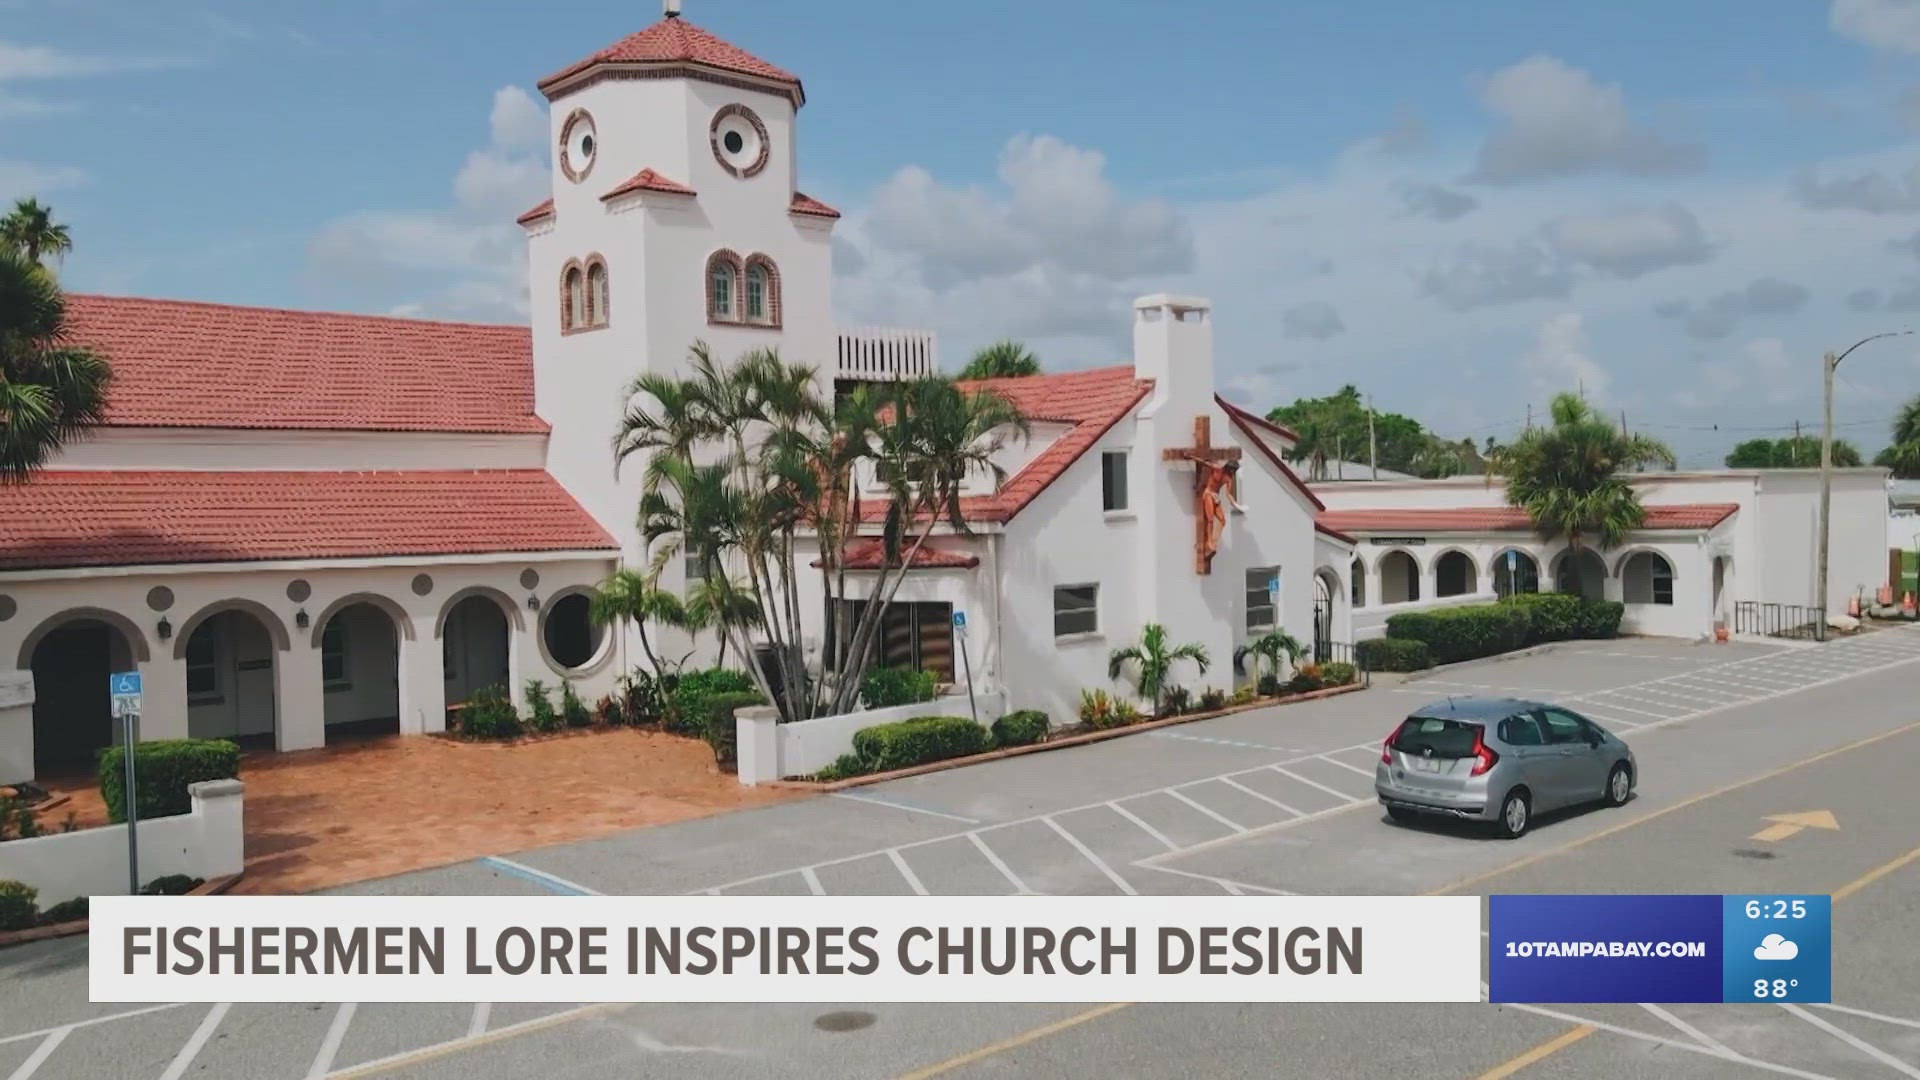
[{"x": 302, "y": 526}]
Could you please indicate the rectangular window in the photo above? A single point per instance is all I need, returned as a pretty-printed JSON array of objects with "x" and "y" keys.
[
  {"x": 756, "y": 294},
  {"x": 722, "y": 288},
  {"x": 1113, "y": 480},
  {"x": 696, "y": 570},
  {"x": 203, "y": 667},
  {"x": 1076, "y": 609},
  {"x": 333, "y": 656},
  {"x": 1263, "y": 597}
]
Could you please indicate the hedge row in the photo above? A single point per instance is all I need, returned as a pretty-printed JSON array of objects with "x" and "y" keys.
[
  {"x": 162, "y": 769},
  {"x": 1394, "y": 654},
  {"x": 884, "y": 747},
  {"x": 1418, "y": 639},
  {"x": 1022, "y": 728},
  {"x": 1464, "y": 633}
]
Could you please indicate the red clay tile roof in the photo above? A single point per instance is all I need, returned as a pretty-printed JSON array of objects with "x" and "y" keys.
[
  {"x": 675, "y": 41},
  {"x": 648, "y": 180},
  {"x": 1092, "y": 401},
  {"x": 1335, "y": 533},
  {"x": 807, "y": 204},
  {"x": 1414, "y": 522},
  {"x": 544, "y": 210},
  {"x": 179, "y": 363},
  {"x": 110, "y": 518},
  {"x": 868, "y": 554}
]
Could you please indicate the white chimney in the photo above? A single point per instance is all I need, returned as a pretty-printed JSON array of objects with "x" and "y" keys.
[
  {"x": 672, "y": 8},
  {"x": 1173, "y": 346}
]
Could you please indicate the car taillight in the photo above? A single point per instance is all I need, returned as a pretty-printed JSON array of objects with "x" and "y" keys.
[
  {"x": 1483, "y": 754},
  {"x": 1386, "y": 748}
]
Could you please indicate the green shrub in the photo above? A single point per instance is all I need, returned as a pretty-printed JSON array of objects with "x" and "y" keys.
[
  {"x": 1269, "y": 685},
  {"x": 65, "y": 911},
  {"x": 1552, "y": 616},
  {"x": 690, "y": 702},
  {"x": 18, "y": 909},
  {"x": 1125, "y": 712},
  {"x": 883, "y": 688},
  {"x": 718, "y": 727},
  {"x": 844, "y": 767},
  {"x": 1338, "y": 673},
  {"x": 1464, "y": 633},
  {"x": 1244, "y": 696},
  {"x": 1175, "y": 701},
  {"x": 171, "y": 885},
  {"x": 1394, "y": 654},
  {"x": 1097, "y": 709},
  {"x": 641, "y": 696},
  {"x": 884, "y": 747},
  {"x": 541, "y": 715},
  {"x": 1306, "y": 679},
  {"x": 165, "y": 767},
  {"x": 489, "y": 714},
  {"x": 1601, "y": 618},
  {"x": 1212, "y": 701},
  {"x": 608, "y": 711},
  {"x": 17, "y": 819},
  {"x": 572, "y": 709},
  {"x": 1021, "y": 728}
]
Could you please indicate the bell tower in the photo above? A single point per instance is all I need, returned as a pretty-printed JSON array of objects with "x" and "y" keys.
[{"x": 674, "y": 218}]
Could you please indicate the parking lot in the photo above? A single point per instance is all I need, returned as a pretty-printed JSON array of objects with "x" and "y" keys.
[{"x": 1273, "y": 801}]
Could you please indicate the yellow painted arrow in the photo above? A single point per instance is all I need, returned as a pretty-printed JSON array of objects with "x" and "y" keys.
[{"x": 1785, "y": 825}]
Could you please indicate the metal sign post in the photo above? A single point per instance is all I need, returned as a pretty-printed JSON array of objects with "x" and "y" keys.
[
  {"x": 124, "y": 686},
  {"x": 966, "y": 665}
]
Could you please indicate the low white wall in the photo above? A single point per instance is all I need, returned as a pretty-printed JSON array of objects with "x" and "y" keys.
[
  {"x": 207, "y": 842},
  {"x": 16, "y": 726},
  {"x": 1371, "y": 622},
  {"x": 770, "y": 750}
]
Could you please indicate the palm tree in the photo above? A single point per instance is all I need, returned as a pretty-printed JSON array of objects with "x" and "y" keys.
[
  {"x": 30, "y": 230},
  {"x": 1001, "y": 360},
  {"x": 50, "y": 390},
  {"x": 1567, "y": 475},
  {"x": 1153, "y": 662},
  {"x": 717, "y": 602},
  {"x": 1274, "y": 647},
  {"x": 1903, "y": 455},
  {"x": 630, "y": 597}
]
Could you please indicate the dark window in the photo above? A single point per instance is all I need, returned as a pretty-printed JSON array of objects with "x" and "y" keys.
[
  {"x": 570, "y": 635},
  {"x": 756, "y": 293},
  {"x": 203, "y": 664},
  {"x": 1431, "y": 736},
  {"x": 916, "y": 635},
  {"x": 1515, "y": 572},
  {"x": 1521, "y": 731},
  {"x": 1113, "y": 480},
  {"x": 1263, "y": 594},
  {"x": 333, "y": 654},
  {"x": 733, "y": 142},
  {"x": 1076, "y": 609},
  {"x": 1562, "y": 727}
]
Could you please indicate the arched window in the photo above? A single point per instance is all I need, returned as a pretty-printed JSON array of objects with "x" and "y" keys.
[
  {"x": 1399, "y": 578},
  {"x": 762, "y": 292},
  {"x": 1454, "y": 575},
  {"x": 1647, "y": 578},
  {"x": 596, "y": 293},
  {"x": 1515, "y": 571},
  {"x": 573, "y": 299},
  {"x": 723, "y": 287},
  {"x": 1359, "y": 583}
]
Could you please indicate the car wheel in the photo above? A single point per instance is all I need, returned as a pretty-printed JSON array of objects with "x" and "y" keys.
[
  {"x": 1516, "y": 813},
  {"x": 1619, "y": 785},
  {"x": 1401, "y": 814}
]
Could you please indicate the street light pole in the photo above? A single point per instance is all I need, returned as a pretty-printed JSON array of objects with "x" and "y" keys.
[{"x": 1828, "y": 365}]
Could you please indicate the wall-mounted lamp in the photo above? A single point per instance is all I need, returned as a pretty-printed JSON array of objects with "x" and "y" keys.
[
  {"x": 533, "y": 602},
  {"x": 300, "y": 618},
  {"x": 165, "y": 628}
]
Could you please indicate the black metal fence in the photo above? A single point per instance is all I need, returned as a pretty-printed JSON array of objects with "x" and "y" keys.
[
  {"x": 1780, "y": 620},
  {"x": 1330, "y": 652}
]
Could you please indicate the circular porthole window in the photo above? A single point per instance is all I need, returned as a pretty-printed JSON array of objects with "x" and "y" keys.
[
  {"x": 739, "y": 141},
  {"x": 578, "y": 143},
  {"x": 571, "y": 636}
]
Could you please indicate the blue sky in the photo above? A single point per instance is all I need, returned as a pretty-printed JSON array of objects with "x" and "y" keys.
[{"x": 1461, "y": 207}]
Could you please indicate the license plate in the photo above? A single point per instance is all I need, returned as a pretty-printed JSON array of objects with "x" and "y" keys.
[{"x": 1422, "y": 764}]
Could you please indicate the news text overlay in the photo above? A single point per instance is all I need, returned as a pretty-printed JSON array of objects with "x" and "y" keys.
[
  {"x": 785, "y": 948},
  {"x": 1659, "y": 949}
]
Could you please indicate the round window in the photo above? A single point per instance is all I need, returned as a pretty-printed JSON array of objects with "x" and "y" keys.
[
  {"x": 571, "y": 637},
  {"x": 577, "y": 145},
  {"x": 739, "y": 141}
]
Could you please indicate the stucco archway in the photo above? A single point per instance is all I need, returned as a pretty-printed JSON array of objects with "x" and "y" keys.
[
  {"x": 71, "y": 655},
  {"x": 1515, "y": 571},
  {"x": 505, "y": 603},
  {"x": 136, "y": 641},
  {"x": 360, "y": 673},
  {"x": 1398, "y": 577},
  {"x": 476, "y": 630},
  {"x": 1582, "y": 572},
  {"x": 270, "y": 622},
  {"x": 402, "y": 623},
  {"x": 1455, "y": 573}
]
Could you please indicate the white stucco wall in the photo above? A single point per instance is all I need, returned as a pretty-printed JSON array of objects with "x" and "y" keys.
[
  {"x": 16, "y": 726},
  {"x": 770, "y": 750},
  {"x": 208, "y": 842}
]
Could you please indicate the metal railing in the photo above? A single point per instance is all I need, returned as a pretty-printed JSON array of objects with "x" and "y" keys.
[
  {"x": 1342, "y": 652},
  {"x": 871, "y": 355},
  {"x": 1780, "y": 620}
]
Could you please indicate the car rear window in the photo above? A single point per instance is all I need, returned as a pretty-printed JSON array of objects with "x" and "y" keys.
[{"x": 1443, "y": 738}]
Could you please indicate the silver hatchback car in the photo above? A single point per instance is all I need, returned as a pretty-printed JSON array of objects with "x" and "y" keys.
[{"x": 1500, "y": 760}]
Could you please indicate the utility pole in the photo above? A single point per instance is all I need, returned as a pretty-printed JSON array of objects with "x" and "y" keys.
[
  {"x": 1529, "y": 416},
  {"x": 1793, "y": 456},
  {"x": 1623, "y": 421},
  {"x": 1373, "y": 446},
  {"x": 1827, "y": 366}
]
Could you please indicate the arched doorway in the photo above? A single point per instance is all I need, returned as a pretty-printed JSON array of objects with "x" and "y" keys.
[
  {"x": 72, "y": 710},
  {"x": 1399, "y": 578},
  {"x": 1325, "y": 587},
  {"x": 1455, "y": 575},
  {"x": 1359, "y": 582},
  {"x": 1515, "y": 571},
  {"x": 360, "y": 671},
  {"x": 1582, "y": 573},
  {"x": 1721, "y": 567},
  {"x": 474, "y": 647},
  {"x": 1646, "y": 577},
  {"x": 232, "y": 678}
]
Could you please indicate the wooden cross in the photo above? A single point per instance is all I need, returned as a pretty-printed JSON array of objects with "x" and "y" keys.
[{"x": 1208, "y": 478}]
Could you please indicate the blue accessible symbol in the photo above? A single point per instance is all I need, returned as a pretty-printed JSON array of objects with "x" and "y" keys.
[{"x": 959, "y": 620}]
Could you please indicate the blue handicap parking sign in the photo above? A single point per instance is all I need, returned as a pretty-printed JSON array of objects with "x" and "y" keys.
[
  {"x": 124, "y": 684},
  {"x": 960, "y": 619}
]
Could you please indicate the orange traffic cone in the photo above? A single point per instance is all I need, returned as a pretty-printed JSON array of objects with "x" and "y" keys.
[
  {"x": 1907, "y": 603},
  {"x": 1853, "y": 606},
  {"x": 1886, "y": 594}
]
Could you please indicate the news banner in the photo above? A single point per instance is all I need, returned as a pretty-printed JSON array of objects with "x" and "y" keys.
[{"x": 1536, "y": 948}]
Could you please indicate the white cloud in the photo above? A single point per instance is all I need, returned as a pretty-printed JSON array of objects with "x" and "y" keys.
[
  {"x": 1479, "y": 275},
  {"x": 1438, "y": 203},
  {"x": 1631, "y": 241},
  {"x": 1557, "y": 121},
  {"x": 1313, "y": 319},
  {"x": 1886, "y": 24},
  {"x": 1718, "y": 316},
  {"x": 467, "y": 260},
  {"x": 1559, "y": 362},
  {"x": 1870, "y": 191},
  {"x": 20, "y": 62}
]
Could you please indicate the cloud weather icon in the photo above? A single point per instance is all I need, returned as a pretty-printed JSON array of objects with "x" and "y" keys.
[{"x": 1775, "y": 947}]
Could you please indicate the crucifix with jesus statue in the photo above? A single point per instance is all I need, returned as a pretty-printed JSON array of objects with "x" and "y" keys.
[{"x": 1215, "y": 468}]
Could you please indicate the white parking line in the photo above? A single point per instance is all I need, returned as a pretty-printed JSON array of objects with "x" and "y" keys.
[
  {"x": 1096, "y": 860},
  {"x": 813, "y": 881},
  {"x": 850, "y": 797},
  {"x": 1882, "y": 1017},
  {"x": 109, "y": 1018},
  {"x": 1622, "y": 708},
  {"x": 1368, "y": 773},
  {"x": 1855, "y": 1041},
  {"x": 1238, "y": 888},
  {"x": 1231, "y": 782},
  {"x": 197, "y": 1040},
  {"x": 1019, "y": 887},
  {"x": 900, "y": 864},
  {"x": 1336, "y": 792},
  {"x": 40, "y": 1053},
  {"x": 1148, "y": 829},
  {"x": 1687, "y": 1029},
  {"x": 550, "y": 882},
  {"x": 1184, "y": 737},
  {"x": 1661, "y": 1040},
  {"x": 329, "y": 1046},
  {"x": 482, "y": 1012},
  {"x": 1221, "y": 818}
]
